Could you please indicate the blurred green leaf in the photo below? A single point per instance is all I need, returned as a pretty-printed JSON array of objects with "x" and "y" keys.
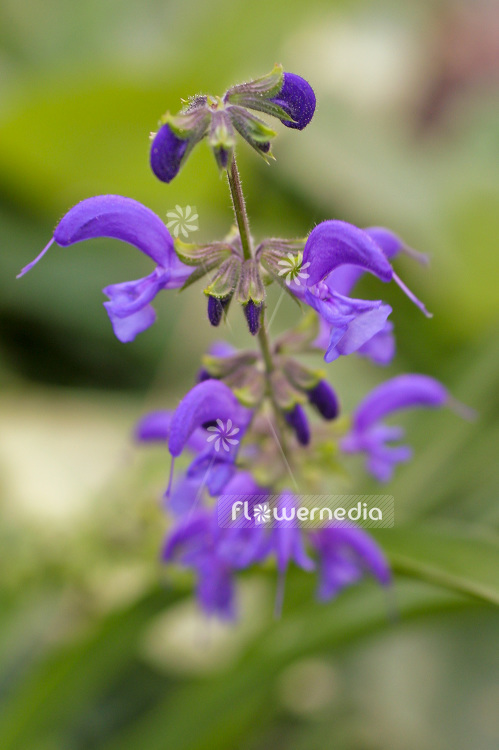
[{"x": 459, "y": 559}]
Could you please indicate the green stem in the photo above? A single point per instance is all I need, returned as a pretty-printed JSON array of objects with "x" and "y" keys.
[
  {"x": 243, "y": 224},
  {"x": 239, "y": 208}
]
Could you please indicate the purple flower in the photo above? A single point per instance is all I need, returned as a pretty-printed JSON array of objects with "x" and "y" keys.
[
  {"x": 370, "y": 435},
  {"x": 297, "y": 99},
  {"x": 346, "y": 554},
  {"x": 210, "y": 404},
  {"x": 333, "y": 244},
  {"x": 287, "y": 96},
  {"x": 124, "y": 219}
]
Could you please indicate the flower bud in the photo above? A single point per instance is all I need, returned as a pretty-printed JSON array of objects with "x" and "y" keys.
[
  {"x": 216, "y": 307},
  {"x": 175, "y": 140},
  {"x": 325, "y": 400},
  {"x": 252, "y": 312},
  {"x": 297, "y": 419}
]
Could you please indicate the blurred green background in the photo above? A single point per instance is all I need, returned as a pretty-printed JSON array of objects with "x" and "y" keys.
[{"x": 99, "y": 646}]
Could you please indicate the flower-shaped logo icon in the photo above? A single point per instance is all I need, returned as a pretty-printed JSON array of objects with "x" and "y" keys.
[
  {"x": 261, "y": 513},
  {"x": 223, "y": 435},
  {"x": 293, "y": 268},
  {"x": 182, "y": 220}
]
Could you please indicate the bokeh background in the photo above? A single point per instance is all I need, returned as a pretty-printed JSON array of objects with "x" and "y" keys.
[{"x": 99, "y": 646}]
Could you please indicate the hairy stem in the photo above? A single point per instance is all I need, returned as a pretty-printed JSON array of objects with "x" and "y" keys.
[{"x": 236, "y": 192}]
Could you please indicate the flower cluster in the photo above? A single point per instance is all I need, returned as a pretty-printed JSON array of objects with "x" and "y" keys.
[{"x": 246, "y": 424}]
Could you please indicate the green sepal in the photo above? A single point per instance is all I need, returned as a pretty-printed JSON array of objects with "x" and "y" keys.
[
  {"x": 300, "y": 338},
  {"x": 196, "y": 255},
  {"x": 266, "y": 86},
  {"x": 300, "y": 376},
  {"x": 190, "y": 124},
  {"x": 221, "y": 367},
  {"x": 250, "y": 285},
  {"x": 197, "y": 274},
  {"x": 225, "y": 281},
  {"x": 273, "y": 276},
  {"x": 221, "y": 139},
  {"x": 285, "y": 395},
  {"x": 253, "y": 130},
  {"x": 247, "y": 385}
]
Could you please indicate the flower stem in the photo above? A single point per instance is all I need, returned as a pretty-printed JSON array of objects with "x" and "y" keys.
[
  {"x": 263, "y": 339},
  {"x": 236, "y": 192}
]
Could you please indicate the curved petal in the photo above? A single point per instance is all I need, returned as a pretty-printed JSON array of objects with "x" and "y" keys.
[
  {"x": 401, "y": 392},
  {"x": 121, "y": 218},
  {"x": 126, "y": 329},
  {"x": 297, "y": 99},
  {"x": 367, "y": 551},
  {"x": 206, "y": 402},
  {"x": 129, "y": 297},
  {"x": 392, "y": 244},
  {"x": 354, "y": 322},
  {"x": 380, "y": 349},
  {"x": 335, "y": 243},
  {"x": 154, "y": 427}
]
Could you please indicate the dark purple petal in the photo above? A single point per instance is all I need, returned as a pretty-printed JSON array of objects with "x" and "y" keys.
[
  {"x": 335, "y": 243},
  {"x": 401, "y": 392},
  {"x": 216, "y": 307},
  {"x": 252, "y": 311},
  {"x": 167, "y": 152},
  {"x": 297, "y": 419},
  {"x": 297, "y": 99},
  {"x": 325, "y": 400},
  {"x": 121, "y": 218}
]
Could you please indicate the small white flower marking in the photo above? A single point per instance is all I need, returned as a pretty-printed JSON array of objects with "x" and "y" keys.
[
  {"x": 182, "y": 220},
  {"x": 223, "y": 435},
  {"x": 262, "y": 513},
  {"x": 293, "y": 268}
]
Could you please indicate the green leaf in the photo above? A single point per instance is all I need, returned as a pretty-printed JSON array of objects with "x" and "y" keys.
[{"x": 456, "y": 558}]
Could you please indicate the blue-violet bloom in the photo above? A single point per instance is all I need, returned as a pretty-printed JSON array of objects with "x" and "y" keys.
[
  {"x": 124, "y": 219},
  {"x": 370, "y": 435}
]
